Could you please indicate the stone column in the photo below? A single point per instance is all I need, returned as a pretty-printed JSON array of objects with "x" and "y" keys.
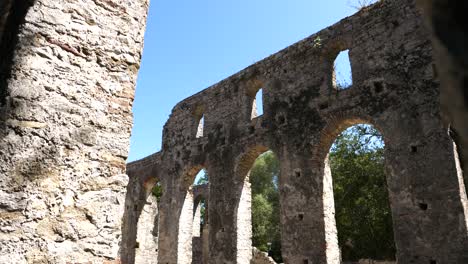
[
  {"x": 175, "y": 222},
  {"x": 147, "y": 233},
  {"x": 225, "y": 192},
  {"x": 134, "y": 203},
  {"x": 426, "y": 196},
  {"x": 308, "y": 231}
]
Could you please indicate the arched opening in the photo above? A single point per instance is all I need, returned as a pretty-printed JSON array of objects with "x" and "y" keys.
[
  {"x": 141, "y": 220},
  {"x": 355, "y": 165},
  {"x": 342, "y": 73},
  {"x": 257, "y": 104},
  {"x": 146, "y": 248},
  {"x": 192, "y": 240},
  {"x": 200, "y": 219},
  {"x": 201, "y": 126},
  {"x": 200, "y": 232},
  {"x": 258, "y": 212}
]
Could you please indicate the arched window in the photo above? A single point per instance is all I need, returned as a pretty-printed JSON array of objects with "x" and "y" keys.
[
  {"x": 342, "y": 73},
  {"x": 257, "y": 105},
  {"x": 192, "y": 239},
  {"x": 201, "y": 126}
]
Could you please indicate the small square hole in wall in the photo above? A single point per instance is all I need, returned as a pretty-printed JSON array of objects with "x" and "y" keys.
[
  {"x": 342, "y": 77},
  {"x": 423, "y": 206},
  {"x": 257, "y": 105},
  {"x": 300, "y": 216},
  {"x": 297, "y": 173}
]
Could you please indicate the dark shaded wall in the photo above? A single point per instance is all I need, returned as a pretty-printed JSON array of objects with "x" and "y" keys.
[{"x": 446, "y": 20}]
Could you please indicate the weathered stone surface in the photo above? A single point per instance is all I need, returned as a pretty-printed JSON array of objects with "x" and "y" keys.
[
  {"x": 395, "y": 88},
  {"x": 67, "y": 76},
  {"x": 147, "y": 236},
  {"x": 450, "y": 39},
  {"x": 259, "y": 257}
]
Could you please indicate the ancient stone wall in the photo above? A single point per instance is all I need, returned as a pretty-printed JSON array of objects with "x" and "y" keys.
[
  {"x": 143, "y": 177},
  {"x": 67, "y": 77},
  {"x": 395, "y": 88},
  {"x": 146, "y": 248},
  {"x": 449, "y": 38}
]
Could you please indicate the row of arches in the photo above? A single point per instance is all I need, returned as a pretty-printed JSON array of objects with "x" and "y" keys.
[
  {"x": 341, "y": 79},
  {"x": 194, "y": 230},
  {"x": 194, "y": 220}
]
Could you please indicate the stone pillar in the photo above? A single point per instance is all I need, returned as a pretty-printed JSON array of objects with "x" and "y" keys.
[
  {"x": 205, "y": 245},
  {"x": 308, "y": 231},
  {"x": 196, "y": 220},
  {"x": 67, "y": 77},
  {"x": 426, "y": 196},
  {"x": 185, "y": 230},
  {"x": 197, "y": 240},
  {"x": 244, "y": 223},
  {"x": 225, "y": 191},
  {"x": 147, "y": 233},
  {"x": 134, "y": 203},
  {"x": 175, "y": 222}
]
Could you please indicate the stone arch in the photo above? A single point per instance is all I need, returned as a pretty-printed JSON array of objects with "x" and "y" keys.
[
  {"x": 243, "y": 217},
  {"x": 405, "y": 200},
  {"x": 252, "y": 90},
  {"x": 141, "y": 217},
  {"x": 302, "y": 118},
  {"x": 146, "y": 250},
  {"x": 200, "y": 226},
  {"x": 186, "y": 217},
  {"x": 336, "y": 125}
]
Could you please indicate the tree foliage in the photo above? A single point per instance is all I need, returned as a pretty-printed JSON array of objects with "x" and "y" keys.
[
  {"x": 265, "y": 205},
  {"x": 362, "y": 206},
  {"x": 157, "y": 191}
]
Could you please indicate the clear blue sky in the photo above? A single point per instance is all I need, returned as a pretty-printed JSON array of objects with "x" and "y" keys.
[{"x": 190, "y": 45}]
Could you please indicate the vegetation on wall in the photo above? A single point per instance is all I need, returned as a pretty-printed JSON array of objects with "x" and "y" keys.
[{"x": 157, "y": 191}]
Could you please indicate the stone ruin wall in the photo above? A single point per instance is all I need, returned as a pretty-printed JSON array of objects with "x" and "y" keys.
[
  {"x": 259, "y": 257},
  {"x": 68, "y": 70},
  {"x": 395, "y": 88}
]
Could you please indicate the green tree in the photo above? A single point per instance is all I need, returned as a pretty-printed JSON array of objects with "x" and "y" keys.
[
  {"x": 157, "y": 191},
  {"x": 265, "y": 205},
  {"x": 362, "y": 206}
]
